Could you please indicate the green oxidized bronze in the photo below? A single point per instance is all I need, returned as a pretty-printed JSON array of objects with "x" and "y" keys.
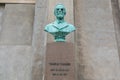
[{"x": 59, "y": 28}]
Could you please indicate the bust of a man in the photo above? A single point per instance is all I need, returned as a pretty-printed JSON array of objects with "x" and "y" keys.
[{"x": 59, "y": 28}]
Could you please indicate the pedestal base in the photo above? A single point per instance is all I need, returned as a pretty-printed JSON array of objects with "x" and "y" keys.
[{"x": 60, "y": 61}]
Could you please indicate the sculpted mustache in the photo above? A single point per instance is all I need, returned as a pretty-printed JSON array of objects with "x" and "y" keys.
[{"x": 60, "y": 13}]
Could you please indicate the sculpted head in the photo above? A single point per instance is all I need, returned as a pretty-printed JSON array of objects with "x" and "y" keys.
[{"x": 60, "y": 11}]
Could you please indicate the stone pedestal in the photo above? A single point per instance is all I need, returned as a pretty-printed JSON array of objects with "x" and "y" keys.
[{"x": 60, "y": 61}]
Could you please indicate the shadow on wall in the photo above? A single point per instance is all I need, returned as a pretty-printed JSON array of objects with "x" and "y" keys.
[
  {"x": 2, "y": 6},
  {"x": 116, "y": 19}
]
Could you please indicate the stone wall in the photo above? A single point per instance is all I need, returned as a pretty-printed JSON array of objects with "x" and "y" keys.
[
  {"x": 97, "y": 50},
  {"x": 17, "y": 25},
  {"x": 23, "y": 41},
  {"x": 16, "y": 41}
]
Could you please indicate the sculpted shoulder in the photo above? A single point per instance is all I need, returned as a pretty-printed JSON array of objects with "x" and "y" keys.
[
  {"x": 71, "y": 28},
  {"x": 49, "y": 27}
]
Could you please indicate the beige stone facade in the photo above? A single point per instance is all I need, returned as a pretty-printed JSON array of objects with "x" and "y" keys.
[{"x": 96, "y": 40}]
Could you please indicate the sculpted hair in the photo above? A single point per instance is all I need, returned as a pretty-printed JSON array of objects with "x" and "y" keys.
[{"x": 56, "y": 8}]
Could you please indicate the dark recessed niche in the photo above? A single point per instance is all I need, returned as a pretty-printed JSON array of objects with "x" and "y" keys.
[{"x": 2, "y": 4}]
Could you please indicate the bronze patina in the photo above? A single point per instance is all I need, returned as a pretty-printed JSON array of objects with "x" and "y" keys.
[{"x": 59, "y": 28}]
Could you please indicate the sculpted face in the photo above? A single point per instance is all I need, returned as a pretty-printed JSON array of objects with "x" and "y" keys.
[{"x": 60, "y": 11}]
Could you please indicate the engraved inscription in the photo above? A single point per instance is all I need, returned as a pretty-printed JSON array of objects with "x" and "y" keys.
[{"x": 59, "y": 69}]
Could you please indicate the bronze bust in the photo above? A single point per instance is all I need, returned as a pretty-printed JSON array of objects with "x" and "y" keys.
[{"x": 59, "y": 28}]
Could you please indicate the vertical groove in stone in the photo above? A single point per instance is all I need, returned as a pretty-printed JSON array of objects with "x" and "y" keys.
[
  {"x": 119, "y": 3},
  {"x": 39, "y": 40},
  {"x": 79, "y": 67},
  {"x": 116, "y": 18}
]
